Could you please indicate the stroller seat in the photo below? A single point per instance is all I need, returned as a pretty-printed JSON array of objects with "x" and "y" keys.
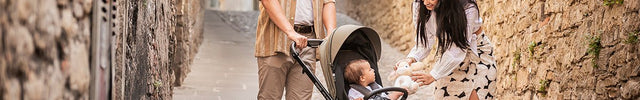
[
  {"x": 356, "y": 46},
  {"x": 340, "y": 64}
]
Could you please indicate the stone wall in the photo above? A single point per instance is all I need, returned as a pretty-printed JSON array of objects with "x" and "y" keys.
[
  {"x": 142, "y": 36},
  {"x": 545, "y": 49},
  {"x": 155, "y": 42},
  {"x": 390, "y": 18},
  {"x": 558, "y": 48},
  {"x": 44, "y": 49},
  {"x": 189, "y": 29}
]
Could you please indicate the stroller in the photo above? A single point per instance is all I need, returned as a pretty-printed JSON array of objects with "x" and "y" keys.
[{"x": 347, "y": 43}]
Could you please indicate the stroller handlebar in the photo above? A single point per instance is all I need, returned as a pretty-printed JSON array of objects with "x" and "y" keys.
[{"x": 314, "y": 43}]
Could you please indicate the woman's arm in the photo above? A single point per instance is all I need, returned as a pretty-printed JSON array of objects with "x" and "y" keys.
[
  {"x": 474, "y": 22},
  {"x": 420, "y": 51},
  {"x": 452, "y": 58}
]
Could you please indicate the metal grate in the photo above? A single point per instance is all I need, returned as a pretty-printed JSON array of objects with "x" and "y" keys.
[{"x": 101, "y": 34}]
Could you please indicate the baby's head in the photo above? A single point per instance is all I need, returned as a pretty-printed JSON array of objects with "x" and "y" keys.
[{"x": 359, "y": 71}]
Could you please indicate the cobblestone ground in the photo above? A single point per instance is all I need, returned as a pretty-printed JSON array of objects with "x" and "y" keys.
[{"x": 236, "y": 80}]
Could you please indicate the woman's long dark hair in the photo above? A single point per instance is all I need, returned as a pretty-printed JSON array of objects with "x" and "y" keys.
[{"x": 451, "y": 21}]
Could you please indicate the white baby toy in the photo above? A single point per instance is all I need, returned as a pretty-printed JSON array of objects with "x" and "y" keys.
[{"x": 402, "y": 76}]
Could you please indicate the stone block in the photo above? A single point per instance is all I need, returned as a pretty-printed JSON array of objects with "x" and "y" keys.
[
  {"x": 3, "y": 3},
  {"x": 632, "y": 5},
  {"x": 34, "y": 87},
  {"x": 78, "y": 9},
  {"x": 78, "y": 70},
  {"x": 68, "y": 23},
  {"x": 604, "y": 83},
  {"x": 522, "y": 79},
  {"x": 87, "y": 5},
  {"x": 62, "y": 2},
  {"x": 22, "y": 10},
  {"x": 13, "y": 89},
  {"x": 48, "y": 23},
  {"x": 18, "y": 41},
  {"x": 630, "y": 90}
]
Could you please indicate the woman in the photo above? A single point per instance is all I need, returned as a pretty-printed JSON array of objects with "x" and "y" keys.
[{"x": 466, "y": 66}]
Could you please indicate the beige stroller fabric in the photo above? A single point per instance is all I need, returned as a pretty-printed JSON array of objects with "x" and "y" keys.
[{"x": 330, "y": 47}]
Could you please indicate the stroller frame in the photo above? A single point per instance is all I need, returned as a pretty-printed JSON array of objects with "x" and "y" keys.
[
  {"x": 315, "y": 43},
  {"x": 306, "y": 70}
]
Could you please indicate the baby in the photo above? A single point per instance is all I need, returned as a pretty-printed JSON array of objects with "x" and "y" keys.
[{"x": 360, "y": 74}]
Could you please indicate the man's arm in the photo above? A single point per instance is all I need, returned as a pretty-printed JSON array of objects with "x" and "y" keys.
[
  {"x": 277, "y": 16},
  {"x": 329, "y": 16}
]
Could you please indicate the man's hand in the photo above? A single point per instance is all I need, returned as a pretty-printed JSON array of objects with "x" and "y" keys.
[
  {"x": 301, "y": 41},
  {"x": 422, "y": 78}
]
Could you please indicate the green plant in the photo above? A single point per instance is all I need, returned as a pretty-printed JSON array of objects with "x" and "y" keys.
[
  {"x": 543, "y": 86},
  {"x": 157, "y": 83},
  {"x": 632, "y": 38},
  {"x": 612, "y": 2},
  {"x": 586, "y": 14},
  {"x": 144, "y": 4},
  {"x": 516, "y": 58},
  {"x": 594, "y": 49},
  {"x": 532, "y": 47}
]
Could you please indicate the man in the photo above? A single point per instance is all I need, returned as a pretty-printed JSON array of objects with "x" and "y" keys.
[{"x": 280, "y": 22}]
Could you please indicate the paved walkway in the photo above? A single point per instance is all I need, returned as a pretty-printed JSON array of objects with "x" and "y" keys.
[{"x": 225, "y": 69}]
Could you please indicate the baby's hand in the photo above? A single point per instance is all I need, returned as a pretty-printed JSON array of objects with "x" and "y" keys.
[{"x": 358, "y": 99}]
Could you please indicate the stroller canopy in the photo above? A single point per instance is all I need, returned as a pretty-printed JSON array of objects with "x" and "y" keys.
[
  {"x": 360, "y": 39},
  {"x": 330, "y": 47}
]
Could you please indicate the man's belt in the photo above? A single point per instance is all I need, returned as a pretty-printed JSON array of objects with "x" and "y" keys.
[{"x": 303, "y": 28}]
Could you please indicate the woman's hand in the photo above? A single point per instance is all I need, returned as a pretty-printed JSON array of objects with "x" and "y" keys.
[
  {"x": 422, "y": 78},
  {"x": 405, "y": 61}
]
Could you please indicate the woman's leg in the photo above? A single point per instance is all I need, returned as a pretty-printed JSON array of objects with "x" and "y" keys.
[
  {"x": 457, "y": 85},
  {"x": 474, "y": 95}
]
